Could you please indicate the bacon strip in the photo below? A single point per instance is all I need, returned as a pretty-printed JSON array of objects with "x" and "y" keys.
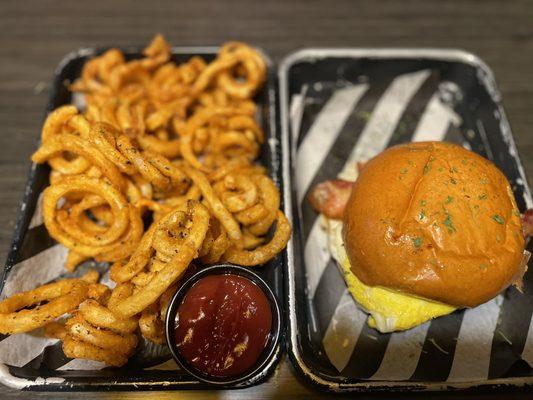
[
  {"x": 330, "y": 197},
  {"x": 527, "y": 223}
]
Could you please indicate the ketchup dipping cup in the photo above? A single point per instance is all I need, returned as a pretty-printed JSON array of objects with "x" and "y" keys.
[{"x": 223, "y": 325}]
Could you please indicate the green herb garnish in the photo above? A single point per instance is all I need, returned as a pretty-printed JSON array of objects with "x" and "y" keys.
[
  {"x": 483, "y": 266},
  {"x": 449, "y": 200},
  {"x": 427, "y": 168},
  {"x": 483, "y": 181},
  {"x": 449, "y": 224},
  {"x": 434, "y": 342},
  {"x": 403, "y": 171},
  {"x": 482, "y": 197},
  {"x": 423, "y": 202},
  {"x": 463, "y": 162},
  {"x": 417, "y": 242},
  {"x": 365, "y": 115},
  {"x": 452, "y": 180},
  {"x": 422, "y": 215},
  {"x": 402, "y": 126},
  {"x": 505, "y": 338},
  {"x": 498, "y": 219}
]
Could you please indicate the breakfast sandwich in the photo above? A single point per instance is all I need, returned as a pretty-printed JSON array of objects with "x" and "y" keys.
[{"x": 425, "y": 229}]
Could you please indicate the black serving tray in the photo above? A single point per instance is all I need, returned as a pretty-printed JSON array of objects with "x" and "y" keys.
[
  {"x": 30, "y": 240},
  {"x": 364, "y": 88}
]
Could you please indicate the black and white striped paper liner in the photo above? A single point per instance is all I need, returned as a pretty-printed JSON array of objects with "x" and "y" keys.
[{"x": 336, "y": 128}]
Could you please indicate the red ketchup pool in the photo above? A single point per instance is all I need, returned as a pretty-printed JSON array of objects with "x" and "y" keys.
[{"x": 223, "y": 325}]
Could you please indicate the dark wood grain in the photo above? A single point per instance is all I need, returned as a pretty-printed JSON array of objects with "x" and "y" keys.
[{"x": 35, "y": 35}]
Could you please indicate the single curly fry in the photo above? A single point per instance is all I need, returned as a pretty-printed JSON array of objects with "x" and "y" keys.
[
  {"x": 216, "y": 206},
  {"x": 264, "y": 253},
  {"x": 118, "y": 240},
  {"x": 63, "y": 297}
]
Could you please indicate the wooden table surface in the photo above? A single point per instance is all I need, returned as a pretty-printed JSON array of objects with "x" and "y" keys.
[{"x": 34, "y": 35}]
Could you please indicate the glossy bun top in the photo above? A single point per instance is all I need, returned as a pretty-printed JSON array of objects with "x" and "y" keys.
[{"x": 437, "y": 221}]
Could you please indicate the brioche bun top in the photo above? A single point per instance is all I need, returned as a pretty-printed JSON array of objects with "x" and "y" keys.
[{"x": 434, "y": 220}]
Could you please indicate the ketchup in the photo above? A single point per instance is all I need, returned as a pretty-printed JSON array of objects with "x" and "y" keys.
[{"x": 223, "y": 325}]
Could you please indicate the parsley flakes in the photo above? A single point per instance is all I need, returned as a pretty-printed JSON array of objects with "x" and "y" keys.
[
  {"x": 417, "y": 242},
  {"x": 365, "y": 115},
  {"x": 449, "y": 224},
  {"x": 498, "y": 219}
]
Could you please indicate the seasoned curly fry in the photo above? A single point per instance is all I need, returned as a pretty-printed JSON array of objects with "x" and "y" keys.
[
  {"x": 264, "y": 253},
  {"x": 116, "y": 242},
  {"x": 216, "y": 206},
  {"x": 254, "y": 70},
  {"x": 56, "y": 124},
  {"x": 63, "y": 296},
  {"x": 73, "y": 144},
  {"x": 97, "y": 333},
  {"x": 175, "y": 240},
  {"x": 152, "y": 319}
]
